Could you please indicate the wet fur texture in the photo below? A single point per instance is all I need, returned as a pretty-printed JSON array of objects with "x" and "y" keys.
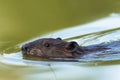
[{"x": 57, "y": 48}]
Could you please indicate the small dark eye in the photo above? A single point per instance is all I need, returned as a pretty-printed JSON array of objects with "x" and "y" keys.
[
  {"x": 47, "y": 45},
  {"x": 58, "y": 38}
]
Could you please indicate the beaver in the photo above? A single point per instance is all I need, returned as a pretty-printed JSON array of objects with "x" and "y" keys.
[{"x": 57, "y": 48}]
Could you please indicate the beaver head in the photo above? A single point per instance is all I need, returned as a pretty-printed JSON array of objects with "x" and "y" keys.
[{"x": 52, "y": 48}]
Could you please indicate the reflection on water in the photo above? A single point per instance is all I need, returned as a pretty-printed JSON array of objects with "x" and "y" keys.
[
  {"x": 107, "y": 23},
  {"x": 100, "y": 31}
]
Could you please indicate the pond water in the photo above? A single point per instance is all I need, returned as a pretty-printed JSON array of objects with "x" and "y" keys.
[
  {"x": 103, "y": 30},
  {"x": 26, "y": 20}
]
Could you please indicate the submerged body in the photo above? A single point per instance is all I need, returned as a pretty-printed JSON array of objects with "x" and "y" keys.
[{"x": 50, "y": 48}]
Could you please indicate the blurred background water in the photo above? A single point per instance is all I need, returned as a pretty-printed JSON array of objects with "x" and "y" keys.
[{"x": 85, "y": 21}]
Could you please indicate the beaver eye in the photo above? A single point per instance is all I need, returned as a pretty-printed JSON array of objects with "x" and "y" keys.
[
  {"x": 47, "y": 45},
  {"x": 58, "y": 38}
]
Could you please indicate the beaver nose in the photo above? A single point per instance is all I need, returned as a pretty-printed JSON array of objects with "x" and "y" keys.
[{"x": 24, "y": 48}]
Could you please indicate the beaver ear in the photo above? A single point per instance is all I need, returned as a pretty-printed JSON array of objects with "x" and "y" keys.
[
  {"x": 72, "y": 46},
  {"x": 59, "y": 38}
]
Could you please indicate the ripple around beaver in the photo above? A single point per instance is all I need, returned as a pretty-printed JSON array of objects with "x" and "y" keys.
[{"x": 110, "y": 56}]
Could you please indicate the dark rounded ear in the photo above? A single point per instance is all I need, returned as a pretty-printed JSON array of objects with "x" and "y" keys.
[
  {"x": 59, "y": 38},
  {"x": 72, "y": 46}
]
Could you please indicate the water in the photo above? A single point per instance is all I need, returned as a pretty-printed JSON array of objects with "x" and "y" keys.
[
  {"x": 15, "y": 67},
  {"x": 24, "y": 21}
]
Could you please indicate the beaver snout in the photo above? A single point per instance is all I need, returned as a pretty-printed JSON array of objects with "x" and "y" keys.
[{"x": 25, "y": 49}]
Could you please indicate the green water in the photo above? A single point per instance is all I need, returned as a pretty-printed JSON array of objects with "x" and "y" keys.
[{"x": 23, "y": 20}]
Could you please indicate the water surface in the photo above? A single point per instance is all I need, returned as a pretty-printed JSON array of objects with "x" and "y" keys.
[
  {"x": 87, "y": 22},
  {"x": 16, "y": 67}
]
